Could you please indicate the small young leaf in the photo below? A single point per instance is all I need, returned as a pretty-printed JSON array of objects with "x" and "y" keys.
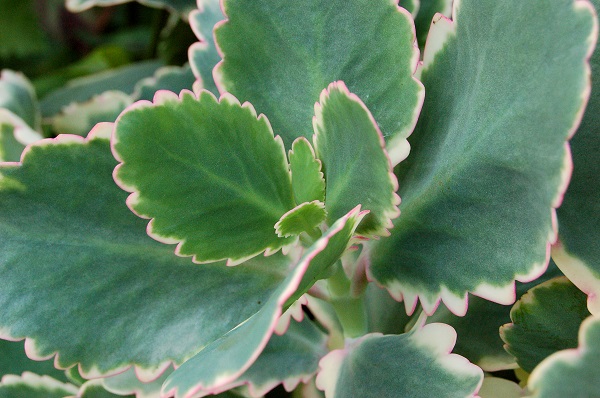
[
  {"x": 307, "y": 178},
  {"x": 357, "y": 168},
  {"x": 280, "y": 56},
  {"x": 417, "y": 364},
  {"x": 544, "y": 321},
  {"x": 209, "y": 174},
  {"x": 573, "y": 372},
  {"x": 302, "y": 218}
]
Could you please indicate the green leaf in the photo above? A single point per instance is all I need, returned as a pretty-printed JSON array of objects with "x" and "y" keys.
[
  {"x": 411, "y": 6},
  {"x": 171, "y": 78},
  {"x": 578, "y": 252},
  {"x": 18, "y": 97},
  {"x": 95, "y": 389},
  {"x": 79, "y": 118},
  {"x": 357, "y": 169},
  {"x": 208, "y": 173},
  {"x": 230, "y": 356},
  {"x": 307, "y": 179},
  {"x": 495, "y": 387},
  {"x": 31, "y": 385},
  {"x": 14, "y": 361},
  {"x": 182, "y": 7},
  {"x": 127, "y": 382},
  {"x": 82, "y": 89},
  {"x": 478, "y": 337},
  {"x": 21, "y": 34},
  {"x": 82, "y": 280},
  {"x": 288, "y": 360},
  {"x": 302, "y": 218},
  {"x": 427, "y": 10},
  {"x": 10, "y": 148},
  {"x": 416, "y": 364},
  {"x": 571, "y": 373},
  {"x": 280, "y": 56},
  {"x": 489, "y": 161},
  {"x": 19, "y": 115},
  {"x": 544, "y": 321},
  {"x": 204, "y": 55}
]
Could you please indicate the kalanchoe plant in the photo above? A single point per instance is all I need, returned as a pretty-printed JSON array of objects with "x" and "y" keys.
[{"x": 333, "y": 199}]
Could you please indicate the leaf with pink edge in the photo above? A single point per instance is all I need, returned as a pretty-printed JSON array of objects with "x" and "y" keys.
[
  {"x": 281, "y": 55},
  {"x": 489, "y": 161},
  {"x": 95, "y": 389},
  {"x": 231, "y": 355},
  {"x": 31, "y": 385},
  {"x": 288, "y": 360},
  {"x": 127, "y": 382},
  {"x": 357, "y": 168},
  {"x": 578, "y": 251},
  {"x": 203, "y": 55},
  {"x": 403, "y": 363},
  {"x": 307, "y": 178},
  {"x": 573, "y": 372},
  {"x": 82, "y": 281},
  {"x": 305, "y": 217},
  {"x": 478, "y": 331},
  {"x": 14, "y": 361},
  {"x": 426, "y": 12},
  {"x": 545, "y": 320},
  {"x": 209, "y": 174}
]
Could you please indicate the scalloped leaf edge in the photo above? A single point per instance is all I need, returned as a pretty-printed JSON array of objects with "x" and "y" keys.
[{"x": 161, "y": 97}]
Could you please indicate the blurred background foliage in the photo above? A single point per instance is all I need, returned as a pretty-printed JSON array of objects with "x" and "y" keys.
[{"x": 52, "y": 45}]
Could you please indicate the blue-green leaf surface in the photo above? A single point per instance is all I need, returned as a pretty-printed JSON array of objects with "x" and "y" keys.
[
  {"x": 489, "y": 161},
  {"x": 82, "y": 280},
  {"x": 578, "y": 251},
  {"x": 416, "y": 364},
  {"x": 230, "y": 356},
  {"x": 280, "y": 56},
  {"x": 357, "y": 168}
]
